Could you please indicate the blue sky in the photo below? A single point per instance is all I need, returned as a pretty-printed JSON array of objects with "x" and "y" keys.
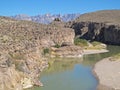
[{"x": 35, "y": 7}]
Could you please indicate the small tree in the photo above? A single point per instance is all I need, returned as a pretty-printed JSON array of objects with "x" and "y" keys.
[{"x": 57, "y": 19}]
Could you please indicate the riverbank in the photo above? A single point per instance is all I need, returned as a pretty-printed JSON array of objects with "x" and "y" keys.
[
  {"x": 74, "y": 51},
  {"x": 108, "y": 73},
  {"x": 94, "y": 51}
]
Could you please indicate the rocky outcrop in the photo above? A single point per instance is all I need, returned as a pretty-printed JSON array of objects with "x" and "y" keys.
[
  {"x": 101, "y": 26},
  {"x": 19, "y": 71},
  {"x": 107, "y": 33}
]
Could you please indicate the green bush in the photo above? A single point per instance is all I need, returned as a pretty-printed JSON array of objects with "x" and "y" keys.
[
  {"x": 95, "y": 43},
  {"x": 46, "y": 51},
  {"x": 57, "y": 46},
  {"x": 80, "y": 42}
]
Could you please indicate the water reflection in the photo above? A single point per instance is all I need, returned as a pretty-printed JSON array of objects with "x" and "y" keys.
[
  {"x": 74, "y": 73},
  {"x": 62, "y": 64}
]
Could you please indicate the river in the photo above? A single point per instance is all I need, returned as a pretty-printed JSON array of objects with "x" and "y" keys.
[{"x": 73, "y": 73}]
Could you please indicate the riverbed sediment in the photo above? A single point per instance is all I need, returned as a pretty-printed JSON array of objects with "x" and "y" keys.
[{"x": 108, "y": 74}]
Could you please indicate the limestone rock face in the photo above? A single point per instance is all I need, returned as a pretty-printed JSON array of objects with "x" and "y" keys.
[
  {"x": 103, "y": 32},
  {"x": 18, "y": 71},
  {"x": 9, "y": 77},
  {"x": 103, "y": 26},
  {"x": 57, "y": 33},
  {"x": 58, "y": 36}
]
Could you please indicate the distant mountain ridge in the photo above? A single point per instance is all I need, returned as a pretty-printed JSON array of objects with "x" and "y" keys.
[{"x": 46, "y": 18}]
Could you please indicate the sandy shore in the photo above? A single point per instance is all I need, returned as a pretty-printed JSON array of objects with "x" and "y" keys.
[
  {"x": 94, "y": 51},
  {"x": 108, "y": 74}
]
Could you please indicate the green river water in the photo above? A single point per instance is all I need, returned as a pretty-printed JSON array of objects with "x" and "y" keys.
[{"x": 73, "y": 74}]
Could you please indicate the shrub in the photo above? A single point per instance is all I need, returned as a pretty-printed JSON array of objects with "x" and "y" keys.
[
  {"x": 57, "y": 19},
  {"x": 46, "y": 51},
  {"x": 95, "y": 43},
  {"x": 57, "y": 46},
  {"x": 80, "y": 42}
]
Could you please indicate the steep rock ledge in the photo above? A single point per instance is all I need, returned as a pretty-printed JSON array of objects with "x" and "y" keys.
[
  {"x": 103, "y": 26},
  {"x": 19, "y": 71},
  {"x": 103, "y": 32}
]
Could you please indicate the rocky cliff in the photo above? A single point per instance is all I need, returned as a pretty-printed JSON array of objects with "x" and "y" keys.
[
  {"x": 103, "y": 26},
  {"x": 102, "y": 32},
  {"x": 21, "y": 47}
]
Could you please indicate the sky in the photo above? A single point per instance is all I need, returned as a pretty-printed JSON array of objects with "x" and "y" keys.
[{"x": 35, "y": 7}]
